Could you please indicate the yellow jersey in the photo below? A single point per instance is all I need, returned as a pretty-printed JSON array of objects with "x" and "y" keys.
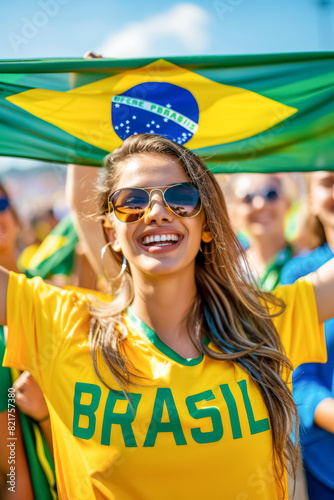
[{"x": 198, "y": 428}]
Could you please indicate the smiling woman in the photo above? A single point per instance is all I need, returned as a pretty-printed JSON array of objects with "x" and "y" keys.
[
  {"x": 183, "y": 373},
  {"x": 173, "y": 209}
]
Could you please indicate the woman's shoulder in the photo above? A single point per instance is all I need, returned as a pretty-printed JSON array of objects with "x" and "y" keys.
[
  {"x": 89, "y": 294},
  {"x": 32, "y": 292},
  {"x": 291, "y": 298},
  {"x": 40, "y": 312}
]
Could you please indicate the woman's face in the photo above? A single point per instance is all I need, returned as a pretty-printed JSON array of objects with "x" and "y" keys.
[
  {"x": 322, "y": 197},
  {"x": 8, "y": 227},
  {"x": 181, "y": 237},
  {"x": 260, "y": 204}
]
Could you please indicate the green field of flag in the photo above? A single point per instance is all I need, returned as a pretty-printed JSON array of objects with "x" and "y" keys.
[
  {"x": 55, "y": 255},
  {"x": 257, "y": 113}
]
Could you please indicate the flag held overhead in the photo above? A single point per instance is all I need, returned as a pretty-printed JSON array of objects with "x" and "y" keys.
[
  {"x": 241, "y": 113},
  {"x": 168, "y": 100}
]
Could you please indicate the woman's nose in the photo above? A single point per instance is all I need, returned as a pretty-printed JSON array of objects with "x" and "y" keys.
[{"x": 157, "y": 210}]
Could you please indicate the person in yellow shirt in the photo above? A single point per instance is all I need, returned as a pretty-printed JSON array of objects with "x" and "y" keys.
[{"x": 179, "y": 385}]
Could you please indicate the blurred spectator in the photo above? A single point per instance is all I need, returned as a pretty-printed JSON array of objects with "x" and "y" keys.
[
  {"x": 259, "y": 206},
  {"x": 9, "y": 229},
  {"x": 313, "y": 384},
  {"x": 44, "y": 224},
  {"x": 34, "y": 470}
]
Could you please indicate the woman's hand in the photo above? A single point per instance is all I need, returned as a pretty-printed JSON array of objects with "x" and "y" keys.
[{"x": 91, "y": 55}]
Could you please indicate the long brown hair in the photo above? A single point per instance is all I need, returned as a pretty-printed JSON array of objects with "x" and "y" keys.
[{"x": 229, "y": 308}]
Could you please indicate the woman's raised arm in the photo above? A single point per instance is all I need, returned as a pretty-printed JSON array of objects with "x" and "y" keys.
[
  {"x": 80, "y": 184},
  {"x": 4, "y": 277},
  {"x": 323, "y": 282}
]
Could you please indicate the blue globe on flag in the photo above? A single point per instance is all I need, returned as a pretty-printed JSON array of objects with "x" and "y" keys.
[{"x": 155, "y": 108}]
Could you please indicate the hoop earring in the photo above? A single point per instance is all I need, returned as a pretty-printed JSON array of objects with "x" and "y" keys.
[{"x": 123, "y": 268}]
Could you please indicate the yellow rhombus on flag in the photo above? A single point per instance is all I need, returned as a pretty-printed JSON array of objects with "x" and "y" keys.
[{"x": 199, "y": 111}]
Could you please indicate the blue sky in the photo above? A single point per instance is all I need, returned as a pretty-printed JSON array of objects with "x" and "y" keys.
[{"x": 140, "y": 28}]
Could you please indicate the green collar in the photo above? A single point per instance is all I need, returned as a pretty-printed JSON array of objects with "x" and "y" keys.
[
  {"x": 159, "y": 344},
  {"x": 272, "y": 273}
]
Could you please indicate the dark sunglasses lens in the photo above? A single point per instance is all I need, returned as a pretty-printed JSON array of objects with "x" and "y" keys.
[
  {"x": 271, "y": 195},
  {"x": 183, "y": 200},
  {"x": 130, "y": 204},
  {"x": 4, "y": 204}
]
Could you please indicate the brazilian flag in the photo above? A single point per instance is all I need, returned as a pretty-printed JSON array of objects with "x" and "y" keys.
[{"x": 240, "y": 113}]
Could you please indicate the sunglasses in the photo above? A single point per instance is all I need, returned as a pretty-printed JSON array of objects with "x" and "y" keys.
[
  {"x": 4, "y": 204},
  {"x": 269, "y": 194},
  {"x": 131, "y": 204}
]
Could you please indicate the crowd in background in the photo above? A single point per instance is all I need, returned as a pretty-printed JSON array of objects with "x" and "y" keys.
[{"x": 286, "y": 225}]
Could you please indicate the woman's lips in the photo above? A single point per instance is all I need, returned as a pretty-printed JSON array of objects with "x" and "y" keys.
[{"x": 162, "y": 243}]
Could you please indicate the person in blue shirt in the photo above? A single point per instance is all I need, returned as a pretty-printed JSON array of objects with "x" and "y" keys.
[{"x": 313, "y": 383}]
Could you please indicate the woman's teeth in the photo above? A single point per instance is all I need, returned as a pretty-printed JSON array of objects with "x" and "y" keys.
[{"x": 161, "y": 239}]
